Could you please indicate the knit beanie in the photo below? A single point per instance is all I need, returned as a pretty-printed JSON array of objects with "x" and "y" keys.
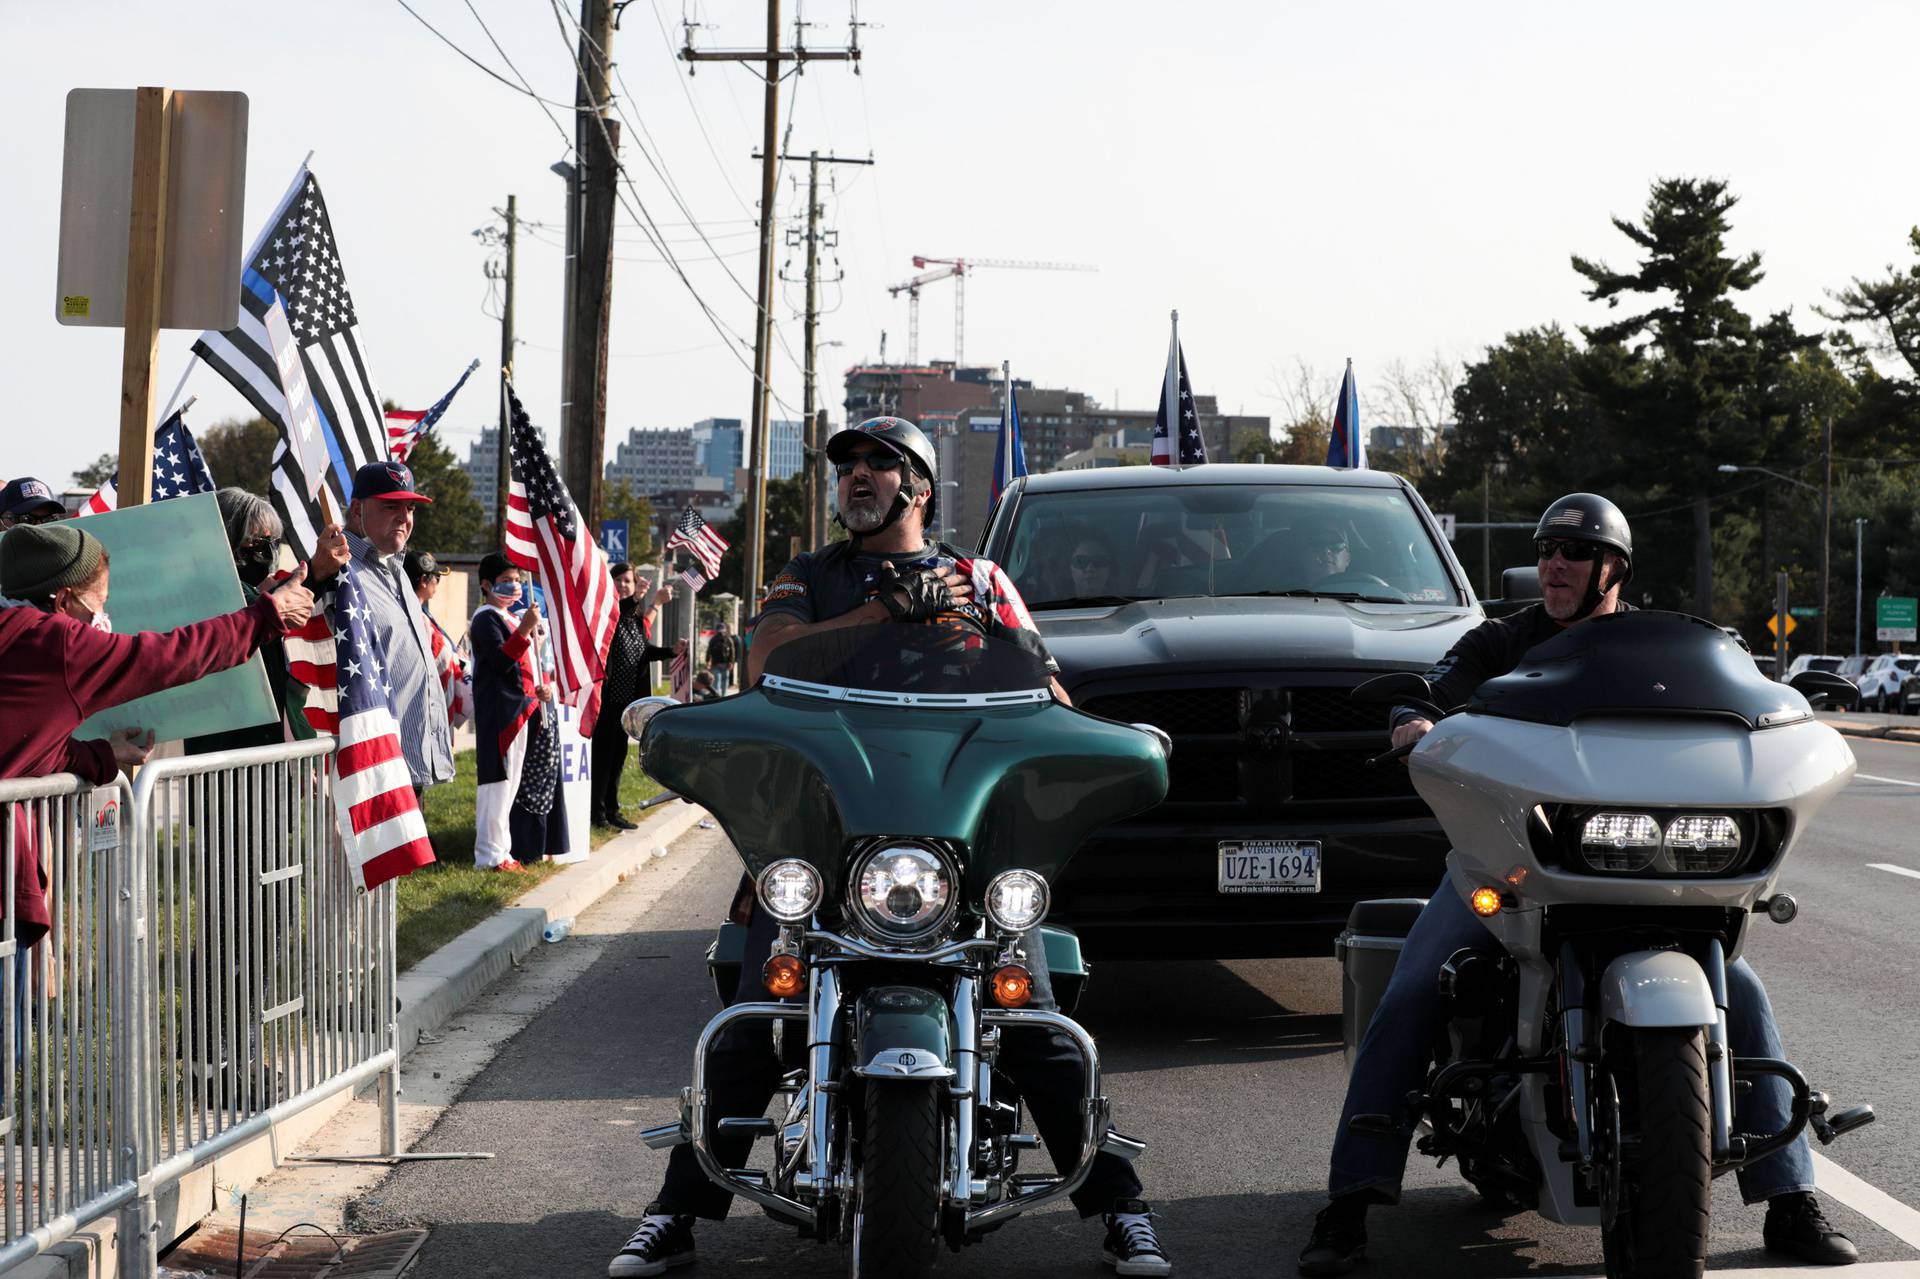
[{"x": 38, "y": 559}]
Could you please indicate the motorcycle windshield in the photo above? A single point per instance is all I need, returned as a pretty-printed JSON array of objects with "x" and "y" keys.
[
  {"x": 908, "y": 731},
  {"x": 1640, "y": 664}
]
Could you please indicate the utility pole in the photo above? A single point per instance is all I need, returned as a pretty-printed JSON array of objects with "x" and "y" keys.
[
  {"x": 1859, "y": 527},
  {"x": 506, "y": 365},
  {"x": 593, "y": 195},
  {"x": 815, "y": 430},
  {"x": 1826, "y": 540},
  {"x": 757, "y": 447}
]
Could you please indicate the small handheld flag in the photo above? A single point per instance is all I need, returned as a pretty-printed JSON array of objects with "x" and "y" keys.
[
  {"x": 178, "y": 469},
  {"x": 406, "y": 426}
]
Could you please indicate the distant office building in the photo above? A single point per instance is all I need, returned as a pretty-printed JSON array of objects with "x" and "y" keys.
[
  {"x": 483, "y": 469},
  {"x": 652, "y": 461}
]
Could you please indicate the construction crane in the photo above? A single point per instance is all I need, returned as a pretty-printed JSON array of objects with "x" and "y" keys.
[{"x": 956, "y": 269}]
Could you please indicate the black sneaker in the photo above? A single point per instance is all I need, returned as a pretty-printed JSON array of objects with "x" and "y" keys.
[
  {"x": 620, "y": 823},
  {"x": 1797, "y": 1227},
  {"x": 1339, "y": 1238},
  {"x": 1130, "y": 1246},
  {"x": 661, "y": 1243}
]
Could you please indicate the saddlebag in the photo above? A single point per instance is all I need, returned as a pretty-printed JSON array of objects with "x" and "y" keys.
[{"x": 1367, "y": 950}]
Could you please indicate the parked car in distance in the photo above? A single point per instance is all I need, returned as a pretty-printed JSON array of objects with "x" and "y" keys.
[
  {"x": 1827, "y": 662},
  {"x": 1236, "y": 607},
  {"x": 1891, "y": 683}
]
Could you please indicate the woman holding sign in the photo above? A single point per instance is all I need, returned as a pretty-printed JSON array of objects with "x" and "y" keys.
[{"x": 60, "y": 662}]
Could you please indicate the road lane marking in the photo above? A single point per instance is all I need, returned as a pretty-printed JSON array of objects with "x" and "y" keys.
[
  {"x": 1897, "y": 870},
  {"x": 1876, "y": 1205},
  {"x": 1891, "y": 781}
]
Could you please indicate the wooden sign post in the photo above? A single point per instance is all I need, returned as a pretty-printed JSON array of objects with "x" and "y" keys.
[{"x": 146, "y": 275}]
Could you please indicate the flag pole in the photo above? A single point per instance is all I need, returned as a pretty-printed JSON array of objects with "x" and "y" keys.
[{"x": 1170, "y": 394}]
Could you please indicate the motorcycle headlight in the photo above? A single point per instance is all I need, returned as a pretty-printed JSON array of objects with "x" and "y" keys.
[
  {"x": 905, "y": 891},
  {"x": 1016, "y": 900},
  {"x": 789, "y": 890},
  {"x": 1702, "y": 844},
  {"x": 1620, "y": 841}
]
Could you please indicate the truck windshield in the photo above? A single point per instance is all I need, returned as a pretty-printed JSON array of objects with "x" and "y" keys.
[
  {"x": 931, "y": 659},
  {"x": 1105, "y": 546}
]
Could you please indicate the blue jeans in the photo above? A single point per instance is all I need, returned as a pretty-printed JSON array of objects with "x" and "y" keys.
[{"x": 1395, "y": 1055}]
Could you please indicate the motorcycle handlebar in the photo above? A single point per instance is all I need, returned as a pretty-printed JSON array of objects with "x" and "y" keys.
[{"x": 1398, "y": 752}]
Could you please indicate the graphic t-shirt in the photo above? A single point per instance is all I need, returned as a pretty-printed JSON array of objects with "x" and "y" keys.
[{"x": 818, "y": 585}]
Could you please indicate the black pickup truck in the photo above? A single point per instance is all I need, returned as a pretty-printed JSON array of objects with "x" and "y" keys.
[{"x": 1236, "y": 606}]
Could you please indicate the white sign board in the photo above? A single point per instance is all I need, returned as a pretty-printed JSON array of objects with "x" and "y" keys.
[
  {"x": 576, "y": 784},
  {"x": 1446, "y": 525},
  {"x": 206, "y": 183}
]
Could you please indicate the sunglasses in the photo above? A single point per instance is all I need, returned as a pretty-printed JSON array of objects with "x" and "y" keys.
[
  {"x": 1568, "y": 549},
  {"x": 874, "y": 461},
  {"x": 261, "y": 550},
  {"x": 1333, "y": 546},
  {"x": 41, "y": 517},
  {"x": 1086, "y": 563}
]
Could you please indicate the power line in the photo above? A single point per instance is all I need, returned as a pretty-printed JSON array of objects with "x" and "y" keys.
[{"x": 527, "y": 90}]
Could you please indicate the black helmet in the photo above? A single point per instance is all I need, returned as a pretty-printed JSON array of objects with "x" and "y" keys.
[
  {"x": 905, "y": 440},
  {"x": 1588, "y": 517}
]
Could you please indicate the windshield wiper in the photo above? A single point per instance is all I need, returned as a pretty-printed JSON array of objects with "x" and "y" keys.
[
  {"x": 1085, "y": 601},
  {"x": 1350, "y": 596}
]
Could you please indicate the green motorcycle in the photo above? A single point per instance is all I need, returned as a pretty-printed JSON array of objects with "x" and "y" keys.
[{"x": 901, "y": 796}]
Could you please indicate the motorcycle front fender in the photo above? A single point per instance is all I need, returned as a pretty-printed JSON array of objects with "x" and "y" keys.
[
  {"x": 902, "y": 1032},
  {"x": 1657, "y": 988}
]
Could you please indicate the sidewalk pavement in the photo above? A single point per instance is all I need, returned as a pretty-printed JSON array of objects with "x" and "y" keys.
[{"x": 1891, "y": 728}]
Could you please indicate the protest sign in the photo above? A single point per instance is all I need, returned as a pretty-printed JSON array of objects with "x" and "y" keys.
[
  {"x": 171, "y": 565},
  {"x": 576, "y": 784}
]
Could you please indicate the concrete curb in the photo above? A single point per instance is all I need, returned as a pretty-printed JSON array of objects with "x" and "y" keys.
[
  {"x": 434, "y": 990},
  {"x": 1878, "y": 732}
]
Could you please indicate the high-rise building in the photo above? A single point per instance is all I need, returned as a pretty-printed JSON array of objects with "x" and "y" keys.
[
  {"x": 483, "y": 469},
  {"x": 653, "y": 461}
]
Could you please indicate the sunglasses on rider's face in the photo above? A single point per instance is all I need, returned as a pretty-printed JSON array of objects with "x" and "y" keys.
[
  {"x": 1573, "y": 552},
  {"x": 875, "y": 462},
  {"x": 1087, "y": 563}
]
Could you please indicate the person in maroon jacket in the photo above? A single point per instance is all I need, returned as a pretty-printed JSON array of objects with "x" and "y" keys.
[{"x": 60, "y": 662}]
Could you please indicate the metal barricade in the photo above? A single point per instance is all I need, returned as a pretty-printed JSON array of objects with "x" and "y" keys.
[
  {"x": 227, "y": 972},
  {"x": 63, "y": 1044}
]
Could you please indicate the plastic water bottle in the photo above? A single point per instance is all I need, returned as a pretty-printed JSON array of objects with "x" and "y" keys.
[{"x": 558, "y": 929}]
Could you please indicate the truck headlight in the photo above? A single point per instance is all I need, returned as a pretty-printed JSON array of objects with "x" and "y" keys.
[
  {"x": 789, "y": 890},
  {"x": 1016, "y": 900},
  {"x": 1620, "y": 841},
  {"x": 905, "y": 891}
]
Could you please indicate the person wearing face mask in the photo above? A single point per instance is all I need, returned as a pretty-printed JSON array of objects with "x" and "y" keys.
[
  {"x": 253, "y": 534},
  {"x": 507, "y": 694},
  {"x": 627, "y": 659},
  {"x": 60, "y": 662}
]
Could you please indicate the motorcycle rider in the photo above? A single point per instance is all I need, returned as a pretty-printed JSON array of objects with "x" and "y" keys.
[
  {"x": 1586, "y": 557},
  {"x": 888, "y": 571}
]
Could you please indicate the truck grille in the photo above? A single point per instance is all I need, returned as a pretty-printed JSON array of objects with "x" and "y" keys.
[{"x": 1220, "y": 763}]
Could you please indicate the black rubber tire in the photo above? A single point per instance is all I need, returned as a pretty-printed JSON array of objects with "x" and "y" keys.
[
  {"x": 1661, "y": 1229},
  {"x": 896, "y": 1230}
]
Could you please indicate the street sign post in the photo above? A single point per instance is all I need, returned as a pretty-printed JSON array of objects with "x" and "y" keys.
[
  {"x": 1896, "y": 619},
  {"x": 1447, "y": 525},
  {"x": 613, "y": 539}
]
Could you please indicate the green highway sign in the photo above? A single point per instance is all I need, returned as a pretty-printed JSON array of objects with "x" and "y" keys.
[
  {"x": 1894, "y": 618},
  {"x": 1804, "y": 611}
]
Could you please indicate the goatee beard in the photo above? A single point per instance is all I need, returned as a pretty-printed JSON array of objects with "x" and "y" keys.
[{"x": 863, "y": 516}]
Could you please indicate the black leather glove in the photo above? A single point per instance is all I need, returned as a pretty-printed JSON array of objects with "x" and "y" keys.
[{"x": 913, "y": 596}]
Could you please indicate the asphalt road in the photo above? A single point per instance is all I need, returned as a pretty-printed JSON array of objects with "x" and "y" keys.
[{"x": 1234, "y": 1079}]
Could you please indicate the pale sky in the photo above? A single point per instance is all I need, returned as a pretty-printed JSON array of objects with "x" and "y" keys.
[{"x": 1303, "y": 181}]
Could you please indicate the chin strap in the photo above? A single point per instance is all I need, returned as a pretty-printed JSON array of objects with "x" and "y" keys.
[{"x": 1597, "y": 589}]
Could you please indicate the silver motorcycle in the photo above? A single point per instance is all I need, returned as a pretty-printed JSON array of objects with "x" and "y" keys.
[{"x": 1621, "y": 806}]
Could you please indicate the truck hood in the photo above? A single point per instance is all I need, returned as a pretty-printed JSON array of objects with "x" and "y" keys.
[{"x": 1238, "y": 632}]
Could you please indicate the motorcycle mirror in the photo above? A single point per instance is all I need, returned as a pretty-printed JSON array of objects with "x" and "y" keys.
[
  {"x": 1393, "y": 690},
  {"x": 634, "y": 719},
  {"x": 1824, "y": 686},
  {"x": 1159, "y": 735}
]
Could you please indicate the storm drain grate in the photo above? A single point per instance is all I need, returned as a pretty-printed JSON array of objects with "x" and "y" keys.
[{"x": 304, "y": 1254}]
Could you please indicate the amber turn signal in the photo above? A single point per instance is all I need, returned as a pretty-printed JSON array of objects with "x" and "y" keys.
[
  {"x": 1485, "y": 902},
  {"x": 1012, "y": 987},
  {"x": 784, "y": 976}
]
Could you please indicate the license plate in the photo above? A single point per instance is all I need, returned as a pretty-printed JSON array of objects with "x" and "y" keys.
[{"x": 1269, "y": 865}]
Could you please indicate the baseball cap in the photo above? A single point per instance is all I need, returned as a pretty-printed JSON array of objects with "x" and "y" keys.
[
  {"x": 27, "y": 494},
  {"x": 390, "y": 480},
  {"x": 421, "y": 565}
]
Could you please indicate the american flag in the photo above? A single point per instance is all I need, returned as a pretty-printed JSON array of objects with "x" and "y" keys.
[
  {"x": 545, "y": 535},
  {"x": 297, "y": 357},
  {"x": 697, "y": 536},
  {"x": 178, "y": 469},
  {"x": 692, "y": 578},
  {"x": 406, "y": 426},
  {"x": 1177, "y": 441},
  {"x": 679, "y": 676},
  {"x": 455, "y": 682},
  {"x": 1009, "y": 454},
  {"x": 381, "y": 826}
]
